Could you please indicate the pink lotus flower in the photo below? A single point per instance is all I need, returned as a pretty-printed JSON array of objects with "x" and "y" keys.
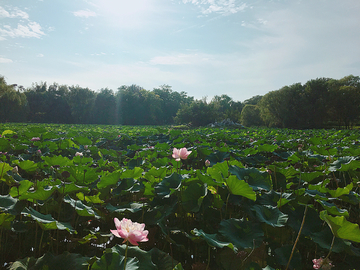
[
  {"x": 34, "y": 139},
  {"x": 207, "y": 163},
  {"x": 321, "y": 263},
  {"x": 131, "y": 231},
  {"x": 15, "y": 169},
  {"x": 180, "y": 153},
  {"x": 78, "y": 154}
]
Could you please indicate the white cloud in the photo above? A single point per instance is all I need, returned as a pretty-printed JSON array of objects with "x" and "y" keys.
[
  {"x": 24, "y": 29},
  {"x": 223, "y": 7},
  {"x": 15, "y": 13},
  {"x": 39, "y": 55},
  {"x": 84, "y": 13},
  {"x": 98, "y": 54},
  {"x": 134, "y": 14},
  {"x": 32, "y": 29},
  {"x": 5, "y": 60}
]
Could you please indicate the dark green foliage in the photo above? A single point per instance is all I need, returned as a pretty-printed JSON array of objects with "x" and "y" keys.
[
  {"x": 13, "y": 105},
  {"x": 243, "y": 211},
  {"x": 198, "y": 113},
  {"x": 319, "y": 103},
  {"x": 250, "y": 116}
]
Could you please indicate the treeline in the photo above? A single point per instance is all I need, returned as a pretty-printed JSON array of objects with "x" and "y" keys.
[
  {"x": 319, "y": 103},
  {"x": 129, "y": 105}
]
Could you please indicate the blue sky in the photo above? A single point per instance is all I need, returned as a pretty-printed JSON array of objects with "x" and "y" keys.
[{"x": 202, "y": 47}]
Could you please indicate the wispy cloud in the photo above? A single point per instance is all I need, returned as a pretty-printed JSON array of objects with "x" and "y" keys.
[
  {"x": 14, "y": 13},
  {"x": 5, "y": 60},
  {"x": 98, "y": 54},
  {"x": 84, "y": 13},
  {"x": 223, "y": 7},
  {"x": 133, "y": 14},
  {"x": 31, "y": 29},
  {"x": 24, "y": 29}
]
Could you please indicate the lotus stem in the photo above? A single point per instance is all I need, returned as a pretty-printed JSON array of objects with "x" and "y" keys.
[
  {"x": 297, "y": 238},
  {"x": 209, "y": 252},
  {"x": 127, "y": 245},
  {"x": 331, "y": 247}
]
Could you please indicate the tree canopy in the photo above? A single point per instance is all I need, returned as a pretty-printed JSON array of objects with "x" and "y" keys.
[{"x": 319, "y": 103}]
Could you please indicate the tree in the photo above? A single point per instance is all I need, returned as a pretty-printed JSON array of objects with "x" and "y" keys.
[
  {"x": 226, "y": 108},
  {"x": 345, "y": 100},
  {"x": 81, "y": 102},
  {"x": 171, "y": 102},
  {"x": 48, "y": 104},
  {"x": 250, "y": 116},
  {"x": 198, "y": 113},
  {"x": 253, "y": 100},
  {"x": 317, "y": 102},
  {"x": 129, "y": 103},
  {"x": 272, "y": 109},
  {"x": 105, "y": 107},
  {"x": 12, "y": 103}
]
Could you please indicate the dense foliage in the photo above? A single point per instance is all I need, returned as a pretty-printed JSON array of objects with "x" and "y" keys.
[
  {"x": 320, "y": 103},
  {"x": 243, "y": 198}
]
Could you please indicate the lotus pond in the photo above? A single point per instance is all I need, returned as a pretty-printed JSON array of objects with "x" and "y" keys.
[{"x": 242, "y": 199}]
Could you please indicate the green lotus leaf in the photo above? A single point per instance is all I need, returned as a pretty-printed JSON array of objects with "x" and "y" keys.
[
  {"x": 341, "y": 191},
  {"x": 270, "y": 215},
  {"x": 219, "y": 171},
  {"x": 309, "y": 176},
  {"x": 324, "y": 239},
  {"x": 21, "y": 189},
  {"x": 170, "y": 183},
  {"x": 11, "y": 205},
  {"x": 240, "y": 187},
  {"x": 178, "y": 267},
  {"x": 193, "y": 196},
  {"x": 241, "y": 233},
  {"x": 206, "y": 179},
  {"x": 333, "y": 209},
  {"x": 50, "y": 261},
  {"x": 217, "y": 157},
  {"x": 4, "y": 144},
  {"x": 47, "y": 222},
  {"x": 135, "y": 173},
  {"x": 131, "y": 207},
  {"x": 70, "y": 188},
  {"x": 56, "y": 160},
  {"x": 109, "y": 179},
  {"x": 27, "y": 165},
  {"x": 82, "y": 174},
  {"x": 115, "y": 261},
  {"x": 267, "y": 147},
  {"x": 256, "y": 179},
  {"x": 83, "y": 140},
  {"x": 213, "y": 240},
  {"x": 144, "y": 257},
  {"x": 5, "y": 219},
  {"x": 283, "y": 256},
  {"x": 42, "y": 194},
  {"x": 81, "y": 208},
  {"x": 342, "y": 228},
  {"x": 344, "y": 164}
]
